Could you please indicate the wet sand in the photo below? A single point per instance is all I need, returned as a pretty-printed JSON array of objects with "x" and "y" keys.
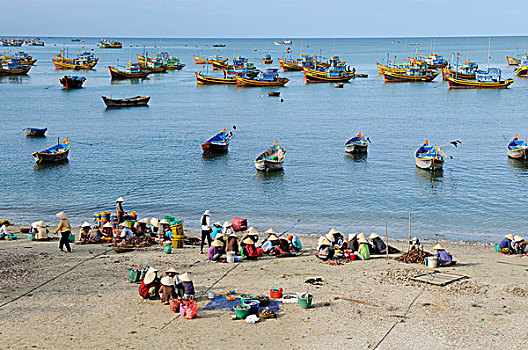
[{"x": 93, "y": 305}]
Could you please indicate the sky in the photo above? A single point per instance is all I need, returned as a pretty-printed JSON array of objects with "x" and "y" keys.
[{"x": 261, "y": 18}]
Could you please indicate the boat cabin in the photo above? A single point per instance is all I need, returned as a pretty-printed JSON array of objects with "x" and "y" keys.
[
  {"x": 133, "y": 68},
  {"x": 435, "y": 59},
  {"x": 271, "y": 74},
  {"x": 492, "y": 75},
  {"x": 11, "y": 63},
  {"x": 416, "y": 71}
]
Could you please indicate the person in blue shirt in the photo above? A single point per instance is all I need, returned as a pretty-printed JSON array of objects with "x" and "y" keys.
[
  {"x": 443, "y": 257},
  {"x": 505, "y": 246},
  {"x": 217, "y": 230}
]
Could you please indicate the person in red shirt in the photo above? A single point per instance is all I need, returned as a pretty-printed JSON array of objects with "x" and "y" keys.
[{"x": 148, "y": 289}]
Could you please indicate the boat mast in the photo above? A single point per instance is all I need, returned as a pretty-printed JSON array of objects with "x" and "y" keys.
[{"x": 489, "y": 48}]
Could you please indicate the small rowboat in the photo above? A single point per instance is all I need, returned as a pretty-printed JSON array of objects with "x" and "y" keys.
[
  {"x": 137, "y": 101},
  {"x": 132, "y": 71},
  {"x": 57, "y": 153},
  {"x": 357, "y": 144},
  {"x": 272, "y": 159},
  {"x": 35, "y": 132},
  {"x": 202, "y": 79},
  {"x": 517, "y": 148},
  {"x": 429, "y": 157},
  {"x": 490, "y": 79},
  {"x": 72, "y": 82},
  {"x": 512, "y": 61},
  {"x": 218, "y": 143}
]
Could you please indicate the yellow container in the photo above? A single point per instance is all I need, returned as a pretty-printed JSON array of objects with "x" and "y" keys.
[{"x": 177, "y": 241}]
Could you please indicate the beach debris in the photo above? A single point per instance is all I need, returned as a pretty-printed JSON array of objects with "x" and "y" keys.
[
  {"x": 413, "y": 256},
  {"x": 316, "y": 281},
  {"x": 356, "y": 301},
  {"x": 262, "y": 299},
  {"x": 438, "y": 278},
  {"x": 337, "y": 262},
  {"x": 289, "y": 298},
  {"x": 252, "y": 319},
  {"x": 267, "y": 313}
]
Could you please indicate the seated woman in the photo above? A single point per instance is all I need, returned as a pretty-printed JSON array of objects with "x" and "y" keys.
[
  {"x": 443, "y": 257},
  {"x": 216, "y": 230},
  {"x": 295, "y": 243},
  {"x": 4, "y": 233},
  {"x": 126, "y": 233},
  {"x": 94, "y": 236},
  {"x": 249, "y": 250},
  {"x": 42, "y": 231},
  {"x": 108, "y": 230},
  {"x": 172, "y": 273},
  {"x": 141, "y": 227},
  {"x": 415, "y": 244},
  {"x": 363, "y": 250},
  {"x": 232, "y": 244},
  {"x": 352, "y": 240},
  {"x": 269, "y": 246},
  {"x": 270, "y": 233},
  {"x": 519, "y": 245},
  {"x": 83, "y": 233},
  {"x": 216, "y": 250},
  {"x": 505, "y": 246},
  {"x": 167, "y": 290},
  {"x": 283, "y": 248},
  {"x": 325, "y": 251},
  {"x": 377, "y": 246},
  {"x": 227, "y": 229},
  {"x": 164, "y": 231},
  {"x": 188, "y": 285},
  {"x": 154, "y": 227},
  {"x": 253, "y": 234},
  {"x": 149, "y": 287}
]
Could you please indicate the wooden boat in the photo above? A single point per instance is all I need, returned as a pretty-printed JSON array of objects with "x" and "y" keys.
[
  {"x": 335, "y": 74},
  {"x": 132, "y": 71},
  {"x": 154, "y": 65},
  {"x": 429, "y": 157},
  {"x": 467, "y": 71},
  {"x": 36, "y": 132},
  {"x": 490, "y": 79},
  {"x": 13, "y": 67},
  {"x": 200, "y": 60},
  {"x": 271, "y": 159},
  {"x": 522, "y": 71},
  {"x": 289, "y": 65},
  {"x": 273, "y": 93},
  {"x": 57, "y": 153},
  {"x": 433, "y": 61},
  {"x": 219, "y": 45},
  {"x": 394, "y": 67},
  {"x": 137, "y": 101},
  {"x": 25, "y": 59},
  {"x": 267, "y": 59},
  {"x": 109, "y": 44},
  {"x": 202, "y": 79},
  {"x": 220, "y": 66},
  {"x": 357, "y": 144},
  {"x": 85, "y": 60},
  {"x": 284, "y": 42},
  {"x": 268, "y": 78},
  {"x": 34, "y": 42},
  {"x": 72, "y": 82},
  {"x": 512, "y": 61},
  {"x": 218, "y": 143},
  {"x": 172, "y": 63},
  {"x": 412, "y": 74},
  {"x": 517, "y": 148}
]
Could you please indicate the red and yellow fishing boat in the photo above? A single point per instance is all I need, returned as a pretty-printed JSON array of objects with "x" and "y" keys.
[
  {"x": 132, "y": 71},
  {"x": 522, "y": 71},
  {"x": 411, "y": 74},
  {"x": 467, "y": 71},
  {"x": 268, "y": 78},
  {"x": 512, "y": 61},
  {"x": 85, "y": 60},
  {"x": 490, "y": 79},
  {"x": 393, "y": 67},
  {"x": 336, "y": 74}
]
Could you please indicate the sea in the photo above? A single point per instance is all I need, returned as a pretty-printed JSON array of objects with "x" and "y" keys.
[{"x": 152, "y": 156}]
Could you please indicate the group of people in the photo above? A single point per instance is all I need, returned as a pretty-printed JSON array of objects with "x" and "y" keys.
[
  {"x": 335, "y": 245},
  {"x": 169, "y": 286},
  {"x": 511, "y": 244}
]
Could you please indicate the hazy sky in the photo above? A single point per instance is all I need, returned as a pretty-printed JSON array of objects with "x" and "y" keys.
[{"x": 262, "y": 18}]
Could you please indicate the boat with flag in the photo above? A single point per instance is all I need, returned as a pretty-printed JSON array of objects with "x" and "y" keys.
[
  {"x": 334, "y": 74},
  {"x": 132, "y": 71},
  {"x": 84, "y": 61},
  {"x": 25, "y": 59},
  {"x": 415, "y": 73},
  {"x": 72, "y": 82},
  {"x": 466, "y": 71},
  {"x": 517, "y": 148},
  {"x": 512, "y": 61},
  {"x": 429, "y": 157},
  {"x": 271, "y": 159},
  {"x": 270, "y": 77},
  {"x": 357, "y": 144},
  {"x": 12, "y": 66},
  {"x": 490, "y": 79},
  {"x": 433, "y": 61},
  {"x": 54, "y": 154},
  {"x": 219, "y": 143},
  {"x": 201, "y": 60}
]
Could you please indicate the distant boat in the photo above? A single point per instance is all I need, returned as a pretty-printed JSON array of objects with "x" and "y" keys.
[
  {"x": 202, "y": 79},
  {"x": 466, "y": 71},
  {"x": 35, "y": 132},
  {"x": 335, "y": 74},
  {"x": 75, "y": 39},
  {"x": 57, "y": 153},
  {"x": 267, "y": 59},
  {"x": 72, "y": 82},
  {"x": 522, "y": 71},
  {"x": 490, "y": 79},
  {"x": 284, "y": 42},
  {"x": 218, "y": 143},
  {"x": 109, "y": 44},
  {"x": 271, "y": 159},
  {"x": 433, "y": 61},
  {"x": 512, "y": 61},
  {"x": 137, "y": 101},
  {"x": 132, "y": 71},
  {"x": 517, "y": 148},
  {"x": 357, "y": 144},
  {"x": 429, "y": 157},
  {"x": 201, "y": 60},
  {"x": 219, "y": 45},
  {"x": 25, "y": 59}
]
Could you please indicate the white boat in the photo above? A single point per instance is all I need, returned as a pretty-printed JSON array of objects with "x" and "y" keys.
[
  {"x": 284, "y": 42},
  {"x": 272, "y": 159},
  {"x": 429, "y": 157}
]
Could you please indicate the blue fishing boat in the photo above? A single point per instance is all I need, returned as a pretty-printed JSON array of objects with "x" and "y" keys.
[
  {"x": 268, "y": 78},
  {"x": 54, "y": 154},
  {"x": 72, "y": 82},
  {"x": 35, "y": 132},
  {"x": 357, "y": 144},
  {"x": 218, "y": 143},
  {"x": 517, "y": 148},
  {"x": 429, "y": 157}
]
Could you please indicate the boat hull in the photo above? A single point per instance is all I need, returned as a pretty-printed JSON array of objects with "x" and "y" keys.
[
  {"x": 33, "y": 132},
  {"x": 356, "y": 149},
  {"x": 61, "y": 64},
  {"x": 259, "y": 83},
  {"x": 20, "y": 71},
  {"x": 210, "y": 148},
  {"x": 446, "y": 72},
  {"x": 138, "y": 101},
  {"x": 289, "y": 66},
  {"x": 472, "y": 84},
  {"x": 207, "y": 80},
  {"x": 512, "y": 61},
  {"x": 200, "y": 60},
  {"x": 522, "y": 71},
  {"x": 119, "y": 75},
  {"x": 69, "y": 83},
  {"x": 265, "y": 61},
  {"x": 397, "y": 77},
  {"x": 429, "y": 164},
  {"x": 517, "y": 154},
  {"x": 51, "y": 158},
  {"x": 176, "y": 67},
  {"x": 264, "y": 165}
]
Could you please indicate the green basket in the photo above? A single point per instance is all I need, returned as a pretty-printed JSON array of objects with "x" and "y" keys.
[
  {"x": 134, "y": 275},
  {"x": 31, "y": 237},
  {"x": 496, "y": 247},
  {"x": 167, "y": 249},
  {"x": 242, "y": 311},
  {"x": 305, "y": 303}
]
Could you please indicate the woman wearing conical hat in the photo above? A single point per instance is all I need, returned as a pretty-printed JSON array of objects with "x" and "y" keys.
[
  {"x": 120, "y": 212},
  {"x": 150, "y": 284},
  {"x": 364, "y": 249},
  {"x": 249, "y": 249},
  {"x": 250, "y": 233},
  {"x": 443, "y": 257},
  {"x": 85, "y": 230},
  {"x": 505, "y": 246},
  {"x": 377, "y": 246},
  {"x": 325, "y": 251},
  {"x": 232, "y": 243},
  {"x": 65, "y": 230},
  {"x": 269, "y": 246},
  {"x": 206, "y": 229}
]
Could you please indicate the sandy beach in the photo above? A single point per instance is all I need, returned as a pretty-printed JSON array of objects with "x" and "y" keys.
[{"x": 84, "y": 300}]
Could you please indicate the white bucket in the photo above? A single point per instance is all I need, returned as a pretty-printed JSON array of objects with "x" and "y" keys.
[
  {"x": 432, "y": 261},
  {"x": 210, "y": 294},
  {"x": 230, "y": 257}
]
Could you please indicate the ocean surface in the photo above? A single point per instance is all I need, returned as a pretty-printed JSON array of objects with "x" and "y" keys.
[{"x": 152, "y": 156}]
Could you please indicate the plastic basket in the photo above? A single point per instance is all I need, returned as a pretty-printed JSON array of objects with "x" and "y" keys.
[{"x": 305, "y": 303}]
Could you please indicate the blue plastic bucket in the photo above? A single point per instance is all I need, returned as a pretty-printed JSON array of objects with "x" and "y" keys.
[{"x": 254, "y": 306}]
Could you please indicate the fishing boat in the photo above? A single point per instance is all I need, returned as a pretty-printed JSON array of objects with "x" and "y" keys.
[
  {"x": 467, "y": 71},
  {"x": 154, "y": 65},
  {"x": 517, "y": 148},
  {"x": 138, "y": 101},
  {"x": 35, "y": 132},
  {"x": 284, "y": 42},
  {"x": 433, "y": 61},
  {"x": 202, "y": 79},
  {"x": 201, "y": 60},
  {"x": 56, "y": 153},
  {"x": 411, "y": 74},
  {"x": 334, "y": 74},
  {"x": 75, "y": 39},
  {"x": 271, "y": 159},
  {"x": 289, "y": 65},
  {"x": 72, "y": 82},
  {"x": 512, "y": 61},
  {"x": 13, "y": 66},
  {"x": 357, "y": 144},
  {"x": 219, "y": 45},
  {"x": 84, "y": 61},
  {"x": 34, "y": 42},
  {"x": 25, "y": 59},
  {"x": 522, "y": 71},
  {"x": 429, "y": 157},
  {"x": 132, "y": 71},
  {"x": 172, "y": 63},
  {"x": 268, "y": 78},
  {"x": 490, "y": 79},
  {"x": 109, "y": 44},
  {"x": 218, "y": 143},
  {"x": 267, "y": 59}
]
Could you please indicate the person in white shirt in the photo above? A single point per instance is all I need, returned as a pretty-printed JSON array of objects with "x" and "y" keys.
[
  {"x": 3, "y": 230},
  {"x": 126, "y": 232},
  {"x": 206, "y": 229}
]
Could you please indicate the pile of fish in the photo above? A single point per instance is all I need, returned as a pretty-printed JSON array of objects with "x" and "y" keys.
[{"x": 415, "y": 256}]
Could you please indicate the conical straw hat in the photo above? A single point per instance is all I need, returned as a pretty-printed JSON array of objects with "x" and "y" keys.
[
  {"x": 86, "y": 224},
  {"x": 248, "y": 241},
  {"x": 438, "y": 247},
  {"x": 185, "y": 277},
  {"x": 154, "y": 221},
  {"x": 325, "y": 242},
  {"x": 120, "y": 199},
  {"x": 333, "y": 231},
  {"x": 273, "y": 238},
  {"x": 509, "y": 236},
  {"x": 373, "y": 235},
  {"x": 167, "y": 281},
  {"x": 217, "y": 243},
  {"x": 270, "y": 231},
  {"x": 108, "y": 225},
  {"x": 362, "y": 240},
  {"x": 518, "y": 238},
  {"x": 62, "y": 215},
  {"x": 227, "y": 224},
  {"x": 144, "y": 221}
]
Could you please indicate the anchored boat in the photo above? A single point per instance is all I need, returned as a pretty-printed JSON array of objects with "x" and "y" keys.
[
  {"x": 202, "y": 79},
  {"x": 334, "y": 74},
  {"x": 72, "y": 82},
  {"x": 517, "y": 148},
  {"x": 218, "y": 143},
  {"x": 25, "y": 59},
  {"x": 411, "y": 74},
  {"x": 13, "y": 66},
  {"x": 268, "y": 78},
  {"x": 272, "y": 159},
  {"x": 35, "y": 132},
  {"x": 429, "y": 157},
  {"x": 132, "y": 71},
  {"x": 467, "y": 71},
  {"x": 490, "y": 79},
  {"x": 109, "y": 44},
  {"x": 57, "y": 153},
  {"x": 267, "y": 59},
  {"x": 201, "y": 60},
  {"x": 522, "y": 71},
  {"x": 137, "y": 101},
  {"x": 85, "y": 60},
  {"x": 433, "y": 61},
  {"x": 357, "y": 144}
]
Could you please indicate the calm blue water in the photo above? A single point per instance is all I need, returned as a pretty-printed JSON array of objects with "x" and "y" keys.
[{"x": 152, "y": 156}]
